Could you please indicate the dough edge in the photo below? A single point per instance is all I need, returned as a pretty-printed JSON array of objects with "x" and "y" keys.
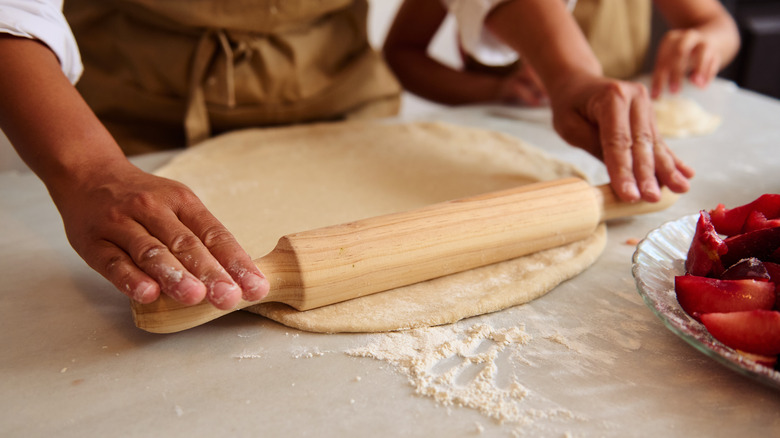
[{"x": 521, "y": 280}]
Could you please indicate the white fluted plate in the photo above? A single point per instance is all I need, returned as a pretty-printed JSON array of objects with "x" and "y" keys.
[{"x": 659, "y": 257}]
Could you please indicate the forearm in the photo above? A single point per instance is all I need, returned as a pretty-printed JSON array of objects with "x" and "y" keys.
[
  {"x": 406, "y": 51},
  {"x": 427, "y": 78},
  {"x": 45, "y": 118},
  {"x": 548, "y": 37}
]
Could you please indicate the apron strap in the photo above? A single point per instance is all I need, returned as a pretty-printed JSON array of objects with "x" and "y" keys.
[{"x": 212, "y": 43}]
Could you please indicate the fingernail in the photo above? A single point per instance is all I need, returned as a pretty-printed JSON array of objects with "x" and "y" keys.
[
  {"x": 255, "y": 286},
  {"x": 143, "y": 291},
  {"x": 221, "y": 291},
  {"x": 184, "y": 287},
  {"x": 680, "y": 180},
  {"x": 630, "y": 190},
  {"x": 652, "y": 189}
]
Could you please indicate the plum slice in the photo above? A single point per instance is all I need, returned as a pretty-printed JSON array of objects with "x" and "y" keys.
[
  {"x": 700, "y": 295},
  {"x": 749, "y": 268},
  {"x": 758, "y": 221},
  {"x": 706, "y": 249},
  {"x": 761, "y": 244},
  {"x": 732, "y": 221},
  {"x": 751, "y": 331}
]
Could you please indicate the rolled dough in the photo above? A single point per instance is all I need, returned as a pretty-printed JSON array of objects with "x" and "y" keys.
[
  {"x": 266, "y": 183},
  {"x": 679, "y": 117}
]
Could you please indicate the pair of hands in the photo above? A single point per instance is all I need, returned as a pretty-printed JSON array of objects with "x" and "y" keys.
[{"x": 149, "y": 235}]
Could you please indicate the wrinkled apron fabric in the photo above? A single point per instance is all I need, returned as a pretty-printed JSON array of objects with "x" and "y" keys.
[
  {"x": 618, "y": 32},
  {"x": 164, "y": 74}
]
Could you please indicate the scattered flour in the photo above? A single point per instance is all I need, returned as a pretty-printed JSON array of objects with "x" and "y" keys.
[
  {"x": 437, "y": 359},
  {"x": 307, "y": 353},
  {"x": 246, "y": 355},
  {"x": 174, "y": 275},
  {"x": 562, "y": 340}
]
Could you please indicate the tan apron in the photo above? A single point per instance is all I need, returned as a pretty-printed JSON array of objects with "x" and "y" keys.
[
  {"x": 618, "y": 32},
  {"x": 162, "y": 74}
]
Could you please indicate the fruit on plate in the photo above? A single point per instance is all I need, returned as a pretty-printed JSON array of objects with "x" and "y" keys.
[
  {"x": 773, "y": 269},
  {"x": 752, "y": 331},
  {"x": 749, "y": 268},
  {"x": 701, "y": 295},
  {"x": 732, "y": 221},
  {"x": 760, "y": 244},
  {"x": 758, "y": 221},
  {"x": 732, "y": 280},
  {"x": 706, "y": 249}
]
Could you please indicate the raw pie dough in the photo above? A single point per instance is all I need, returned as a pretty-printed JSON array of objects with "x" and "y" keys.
[
  {"x": 266, "y": 183},
  {"x": 679, "y": 117}
]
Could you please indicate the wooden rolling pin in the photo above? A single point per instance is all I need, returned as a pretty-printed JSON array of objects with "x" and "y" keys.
[{"x": 333, "y": 264}]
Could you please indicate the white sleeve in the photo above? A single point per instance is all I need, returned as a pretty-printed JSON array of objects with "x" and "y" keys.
[
  {"x": 474, "y": 38},
  {"x": 43, "y": 20}
]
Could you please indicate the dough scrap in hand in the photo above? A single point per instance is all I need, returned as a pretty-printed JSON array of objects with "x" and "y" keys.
[
  {"x": 266, "y": 183},
  {"x": 680, "y": 117}
]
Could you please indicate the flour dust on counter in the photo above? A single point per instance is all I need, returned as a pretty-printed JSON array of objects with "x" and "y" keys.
[
  {"x": 501, "y": 365},
  {"x": 249, "y": 355},
  {"x": 267, "y": 183},
  {"x": 472, "y": 366}
]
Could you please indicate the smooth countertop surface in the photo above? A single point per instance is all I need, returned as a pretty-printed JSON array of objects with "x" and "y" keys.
[{"x": 597, "y": 362}]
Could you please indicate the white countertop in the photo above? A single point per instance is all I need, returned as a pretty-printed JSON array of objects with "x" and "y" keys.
[{"x": 74, "y": 365}]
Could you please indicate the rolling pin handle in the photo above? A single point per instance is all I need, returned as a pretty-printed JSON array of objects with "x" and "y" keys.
[{"x": 614, "y": 208}]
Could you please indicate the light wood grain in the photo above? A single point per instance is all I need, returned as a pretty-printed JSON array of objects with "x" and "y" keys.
[{"x": 333, "y": 264}]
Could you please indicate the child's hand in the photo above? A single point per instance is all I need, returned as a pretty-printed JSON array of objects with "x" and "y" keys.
[
  {"x": 684, "y": 53},
  {"x": 148, "y": 235},
  {"x": 523, "y": 87}
]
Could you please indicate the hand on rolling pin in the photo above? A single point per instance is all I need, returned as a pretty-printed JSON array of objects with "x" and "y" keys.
[
  {"x": 143, "y": 233},
  {"x": 149, "y": 235},
  {"x": 614, "y": 121},
  {"x": 611, "y": 119}
]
